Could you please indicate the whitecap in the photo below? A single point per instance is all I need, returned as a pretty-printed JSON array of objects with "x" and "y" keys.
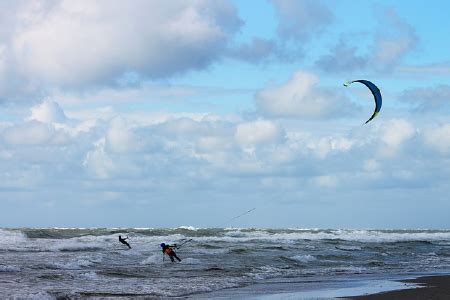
[
  {"x": 153, "y": 259},
  {"x": 304, "y": 258},
  {"x": 348, "y": 248},
  {"x": 89, "y": 275},
  {"x": 188, "y": 228},
  {"x": 212, "y": 251},
  {"x": 12, "y": 238},
  {"x": 76, "y": 245},
  {"x": 190, "y": 261},
  {"x": 74, "y": 264}
]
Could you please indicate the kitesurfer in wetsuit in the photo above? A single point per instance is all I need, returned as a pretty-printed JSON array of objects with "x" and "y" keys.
[
  {"x": 167, "y": 249},
  {"x": 124, "y": 242}
]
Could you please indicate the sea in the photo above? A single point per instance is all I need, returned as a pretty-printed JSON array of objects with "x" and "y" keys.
[{"x": 71, "y": 263}]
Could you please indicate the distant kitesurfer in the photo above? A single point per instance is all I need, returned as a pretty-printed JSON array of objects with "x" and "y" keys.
[
  {"x": 124, "y": 242},
  {"x": 168, "y": 249}
]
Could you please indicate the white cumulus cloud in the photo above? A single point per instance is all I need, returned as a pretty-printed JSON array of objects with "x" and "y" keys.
[
  {"x": 439, "y": 138},
  {"x": 394, "y": 134},
  {"x": 48, "y": 112},
  {"x": 302, "y": 97},
  {"x": 257, "y": 132},
  {"x": 84, "y": 43}
]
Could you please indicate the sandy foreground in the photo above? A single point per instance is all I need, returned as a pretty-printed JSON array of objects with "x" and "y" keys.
[
  {"x": 431, "y": 287},
  {"x": 427, "y": 287}
]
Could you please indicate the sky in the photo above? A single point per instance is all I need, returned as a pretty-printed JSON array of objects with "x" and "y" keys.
[{"x": 148, "y": 113}]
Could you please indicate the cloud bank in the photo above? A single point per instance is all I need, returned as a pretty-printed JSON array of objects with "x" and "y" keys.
[{"x": 60, "y": 44}]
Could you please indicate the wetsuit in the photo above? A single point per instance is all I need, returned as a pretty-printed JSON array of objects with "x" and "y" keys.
[
  {"x": 124, "y": 242},
  {"x": 167, "y": 249}
]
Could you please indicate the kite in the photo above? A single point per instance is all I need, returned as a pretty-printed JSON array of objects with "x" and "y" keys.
[{"x": 376, "y": 95}]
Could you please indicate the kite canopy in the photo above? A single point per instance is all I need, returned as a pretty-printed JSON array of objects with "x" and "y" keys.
[{"x": 376, "y": 95}]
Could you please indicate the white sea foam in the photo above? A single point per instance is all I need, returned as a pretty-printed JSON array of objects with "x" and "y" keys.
[
  {"x": 211, "y": 251},
  {"x": 156, "y": 259},
  {"x": 188, "y": 228},
  {"x": 89, "y": 275},
  {"x": 84, "y": 261},
  {"x": 11, "y": 239},
  {"x": 77, "y": 244},
  {"x": 190, "y": 261},
  {"x": 304, "y": 258},
  {"x": 348, "y": 248},
  {"x": 73, "y": 264},
  {"x": 264, "y": 272},
  {"x": 365, "y": 236}
]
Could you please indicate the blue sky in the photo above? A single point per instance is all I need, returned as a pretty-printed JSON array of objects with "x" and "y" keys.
[{"x": 170, "y": 113}]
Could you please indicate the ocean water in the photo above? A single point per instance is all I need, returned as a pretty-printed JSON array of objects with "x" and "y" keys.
[{"x": 70, "y": 263}]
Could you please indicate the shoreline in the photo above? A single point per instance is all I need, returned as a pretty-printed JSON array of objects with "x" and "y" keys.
[
  {"x": 407, "y": 286},
  {"x": 428, "y": 287}
]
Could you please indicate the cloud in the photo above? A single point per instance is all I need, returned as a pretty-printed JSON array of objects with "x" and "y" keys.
[
  {"x": 261, "y": 50},
  {"x": 120, "y": 138},
  {"x": 258, "y": 132},
  {"x": 30, "y": 133},
  {"x": 392, "y": 41},
  {"x": 65, "y": 44},
  {"x": 325, "y": 181},
  {"x": 427, "y": 99},
  {"x": 301, "y": 20},
  {"x": 394, "y": 134},
  {"x": 194, "y": 160},
  {"x": 324, "y": 146},
  {"x": 301, "y": 97},
  {"x": 48, "y": 112},
  {"x": 440, "y": 68},
  {"x": 342, "y": 58},
  {"x": 258, "y": 49},
  {"x": 438, "y": 139}
]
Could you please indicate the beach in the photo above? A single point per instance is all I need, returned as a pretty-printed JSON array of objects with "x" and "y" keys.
[
  {"x": 424, "y": 287},
  {"x": 431, "y": 287}
]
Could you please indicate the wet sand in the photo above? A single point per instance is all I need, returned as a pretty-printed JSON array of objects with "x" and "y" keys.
[
  {"x": 304, "y": 288},
  {"x": 434, "y": 287},
  {"x": 431, "y": 287}
]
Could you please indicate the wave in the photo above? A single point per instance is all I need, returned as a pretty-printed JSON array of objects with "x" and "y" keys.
[
  {"x": 77, "y": 263},
  {"x": 212, "y": 251},
  {"x": 31, "y": 296},
  {"x": 72, "y": 265},
  {"x": 188, "y": 228},
  {"x": 191, "y": 261},
  {"x": 348, "y": 248},
  {"x": 156, "y": 259},
  {"x": 9, "y": 268},
  {"x": 265, "y": 272},
  {"x": 89, "y": 275},
  {"x": 240, "y": 250},
  {"x": 76, "y": 246},
  {"x": 12, "y": 237},
  {"x": 304, "y": 258},
  {"x": 18, "y": 237}
]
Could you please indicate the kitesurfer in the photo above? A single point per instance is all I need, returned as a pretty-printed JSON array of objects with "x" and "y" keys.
[
  {"x": 168, "y": 249},
  {"x": 122, "y": 240}
]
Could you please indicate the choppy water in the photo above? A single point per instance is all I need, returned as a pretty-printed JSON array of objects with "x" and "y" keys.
[{"x": 51, "y": 263}]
